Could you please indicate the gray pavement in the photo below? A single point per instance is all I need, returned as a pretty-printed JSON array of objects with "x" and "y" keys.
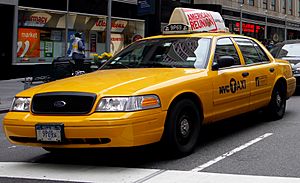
[{"x": 8, "y": 89}]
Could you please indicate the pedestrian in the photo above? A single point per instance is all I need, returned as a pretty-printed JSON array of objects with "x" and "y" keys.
[
  {"x": 78, "y": 53},
  {"x": 271, "y": 44}
]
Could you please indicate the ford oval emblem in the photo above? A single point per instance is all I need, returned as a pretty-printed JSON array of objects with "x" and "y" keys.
[{"x": 59, "y": 103}]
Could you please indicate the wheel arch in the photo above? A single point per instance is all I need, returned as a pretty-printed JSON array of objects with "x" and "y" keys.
[
  {"x": 283, "y": 83},
  {"x": 188, "y": 95}
]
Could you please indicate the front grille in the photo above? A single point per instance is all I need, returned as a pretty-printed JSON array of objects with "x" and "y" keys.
[{"x": 63, "y": 103}]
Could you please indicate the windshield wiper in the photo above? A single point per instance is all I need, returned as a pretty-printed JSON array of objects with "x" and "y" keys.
[
  {"x": 116, "y": 65},
  {"x": 154, "y": 65}
]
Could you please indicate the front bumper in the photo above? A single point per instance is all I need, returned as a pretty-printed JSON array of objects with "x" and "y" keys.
[{"x": 92, "y": 131}]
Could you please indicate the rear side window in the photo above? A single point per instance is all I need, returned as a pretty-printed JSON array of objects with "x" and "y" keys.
[{"x": 251, "y": 51}]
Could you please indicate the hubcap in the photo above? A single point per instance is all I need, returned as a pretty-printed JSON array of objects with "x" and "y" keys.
[
  {"x": 184, "y": 127},
  {"x": 278, "y": 99}
]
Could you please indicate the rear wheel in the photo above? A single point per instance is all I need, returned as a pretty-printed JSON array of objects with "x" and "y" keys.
[
  {"x": 277, "y": 105},
  {"x": 182, "y": 128}
]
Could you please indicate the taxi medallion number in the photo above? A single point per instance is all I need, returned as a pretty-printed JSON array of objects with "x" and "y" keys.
[{"x": 49, "y": 132}]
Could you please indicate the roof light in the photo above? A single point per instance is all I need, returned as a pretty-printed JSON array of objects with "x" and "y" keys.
[{"x": 187, "y": 20}]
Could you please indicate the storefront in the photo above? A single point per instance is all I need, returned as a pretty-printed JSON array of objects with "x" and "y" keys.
[
  {"x": 8, "y": 13},
  {"x": 254, "y": 30},
  {"x": 42, "y": 34},
  {"x": 254, "y": 26}
]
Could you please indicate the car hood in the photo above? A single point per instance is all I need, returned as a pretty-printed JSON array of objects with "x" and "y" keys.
[{"x": 117, "y": 81}]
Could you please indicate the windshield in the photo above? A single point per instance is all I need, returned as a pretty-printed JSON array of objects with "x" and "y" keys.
[
  {"x": 158, "y": 53},
  {"x": 290, "y": 50}
]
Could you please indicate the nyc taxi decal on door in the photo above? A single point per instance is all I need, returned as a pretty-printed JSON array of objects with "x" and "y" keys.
[{"x": 233, "y": 86}]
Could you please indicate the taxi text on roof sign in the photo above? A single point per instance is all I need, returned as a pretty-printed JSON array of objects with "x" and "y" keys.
[{"x": 187, "y": 20}]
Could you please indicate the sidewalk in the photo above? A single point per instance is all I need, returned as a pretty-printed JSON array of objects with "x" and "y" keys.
[{"x": 8, "y": 89}]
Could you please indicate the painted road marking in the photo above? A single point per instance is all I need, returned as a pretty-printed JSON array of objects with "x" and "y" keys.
[
  {"x": 225, "y": 155},
  {"x": 76, "y": 173}
]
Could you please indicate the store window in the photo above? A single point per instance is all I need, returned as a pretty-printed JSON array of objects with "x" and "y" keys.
[
  {"x": 250, "y": 29},
  {"x": 265, "y": 4},
  {"x": 251, "y": 2},
  {"x": 273, "y": 5},
  {"x": 299, "y": 8},
  {"x": 42, "y": 35},
  {"x": 283, "y": 7},
  {"x": 289, "y": 7}
]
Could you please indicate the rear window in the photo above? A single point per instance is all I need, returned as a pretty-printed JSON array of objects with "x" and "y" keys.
[{"x": 290, "y": 50}]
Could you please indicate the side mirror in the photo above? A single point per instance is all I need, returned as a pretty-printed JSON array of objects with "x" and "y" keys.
[{"x": 223, "y": 61}]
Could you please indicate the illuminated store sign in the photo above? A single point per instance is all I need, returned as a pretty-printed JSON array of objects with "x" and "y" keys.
[{"x": 248, "y": 27}]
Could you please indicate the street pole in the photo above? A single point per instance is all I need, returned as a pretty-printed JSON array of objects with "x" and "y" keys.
[
  {"x": 108, "y": 27},
  {"x": 266, "y": 24},
  {"x": 67, "y": 26},
  {"x": 285, "y": 28},
  {"x": 241, "y": 21}
]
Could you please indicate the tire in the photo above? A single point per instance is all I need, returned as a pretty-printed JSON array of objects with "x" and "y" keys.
[
  {"x": 277, "y": 105},
  {"x": 182, "y": 128}
]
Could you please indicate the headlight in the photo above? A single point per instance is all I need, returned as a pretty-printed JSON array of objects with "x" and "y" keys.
[
  {"x": 133, "y": 103},
  {"x": 20, "y": 104},
  {"x": 296, "y": 70}
]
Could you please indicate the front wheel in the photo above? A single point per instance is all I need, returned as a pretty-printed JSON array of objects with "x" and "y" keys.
[
  {"x": 277, "y": 105},
  {"x": 182, "y": 128}
]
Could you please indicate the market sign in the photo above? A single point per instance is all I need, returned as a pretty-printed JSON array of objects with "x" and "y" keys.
[{"x": 28, "y": 43}]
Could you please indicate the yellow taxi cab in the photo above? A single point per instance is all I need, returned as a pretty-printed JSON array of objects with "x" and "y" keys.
[{"x": 158, "y": 89}]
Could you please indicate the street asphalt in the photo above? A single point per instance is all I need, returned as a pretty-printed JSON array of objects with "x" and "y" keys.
[{"x": 8, "y": 89}]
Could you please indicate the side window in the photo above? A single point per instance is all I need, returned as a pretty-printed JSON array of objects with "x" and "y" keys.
[
  {"x": 225, "y": 47},
  {"x": 252, "y": 53},
  {"x": 261, "y": 53}
]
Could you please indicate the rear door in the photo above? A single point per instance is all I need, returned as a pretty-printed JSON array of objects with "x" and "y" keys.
[{"x": 261, "y": 70}]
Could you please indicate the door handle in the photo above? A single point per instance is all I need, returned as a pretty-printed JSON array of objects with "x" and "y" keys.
[
  {"x": 245, "y": 74},
  {"x": 272, "y": 69}
]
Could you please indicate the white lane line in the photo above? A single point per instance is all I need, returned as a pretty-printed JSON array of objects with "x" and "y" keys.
[
  {"x": 223, "y": 156},
  {"x": 12, "y": 147}
]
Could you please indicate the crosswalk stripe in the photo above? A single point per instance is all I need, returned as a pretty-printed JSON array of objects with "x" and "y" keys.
[{"x": 83, "y": 173}]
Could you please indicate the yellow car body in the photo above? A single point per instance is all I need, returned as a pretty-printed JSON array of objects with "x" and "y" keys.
[
  {"x": 213, "y": 93},
  {"x": 147, "y": 126}
]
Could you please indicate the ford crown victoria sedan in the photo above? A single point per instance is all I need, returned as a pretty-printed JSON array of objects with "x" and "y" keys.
[{"x": 158, "y": 89}]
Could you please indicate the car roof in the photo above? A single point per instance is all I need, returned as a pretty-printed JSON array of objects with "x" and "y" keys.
[
  {"x": 202, "y": 34},
  {"x": 292, "y": 41}
]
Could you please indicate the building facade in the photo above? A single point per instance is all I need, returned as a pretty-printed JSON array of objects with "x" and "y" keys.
[
  {"x": 273, "y": 20},
  {"x": 40, "y": 31}
]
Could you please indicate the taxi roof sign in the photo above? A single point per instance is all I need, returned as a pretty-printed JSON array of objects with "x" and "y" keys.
[{"x": 187, "y": 20}]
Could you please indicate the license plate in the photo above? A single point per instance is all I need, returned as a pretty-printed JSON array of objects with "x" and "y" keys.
[{"x": 49, "y": 132}]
